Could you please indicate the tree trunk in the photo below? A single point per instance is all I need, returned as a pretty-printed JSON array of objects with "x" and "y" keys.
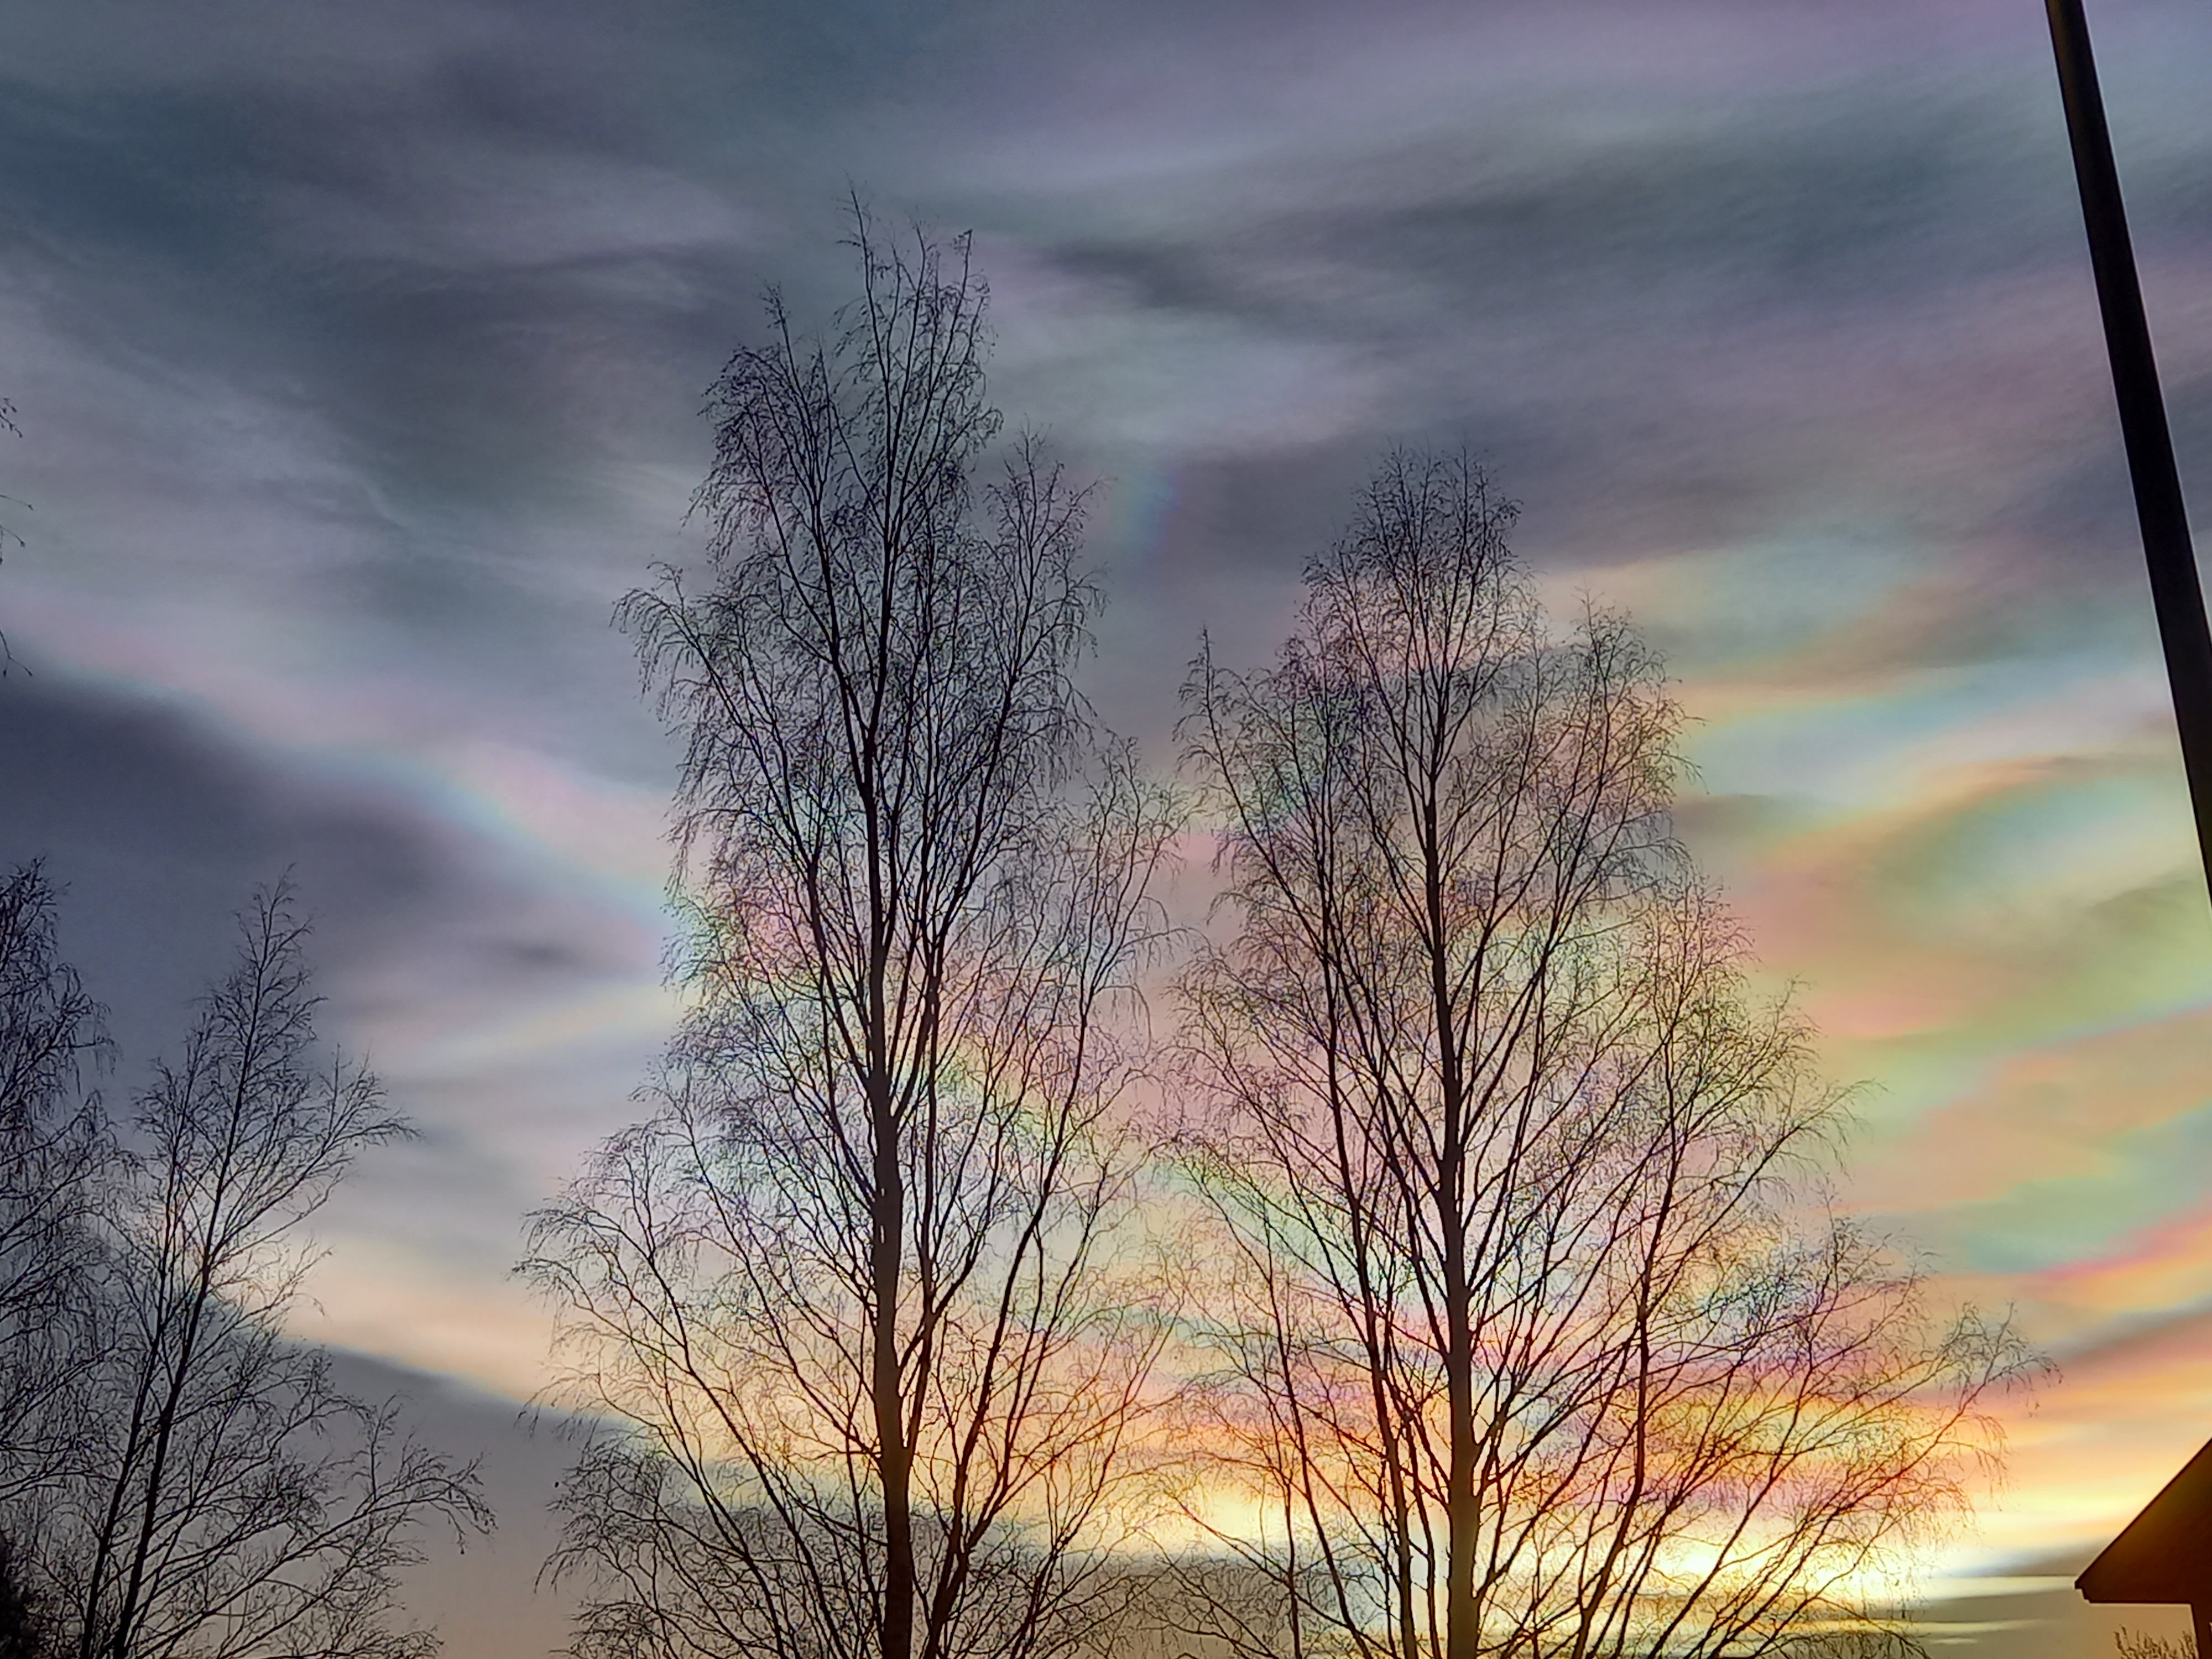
[
  {"x": 1460, "y": 1513},
  {"x": 894, "y": 1459},
  {"x": 1459, "y": 1498}
]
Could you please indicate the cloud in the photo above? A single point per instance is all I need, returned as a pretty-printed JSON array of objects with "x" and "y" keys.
[
  {"x": 359, "y": 353},
  {"x": 506, "y": 993}
]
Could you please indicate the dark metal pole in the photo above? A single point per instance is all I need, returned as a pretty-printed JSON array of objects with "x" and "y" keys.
[{"x": 2173, "y": 586}]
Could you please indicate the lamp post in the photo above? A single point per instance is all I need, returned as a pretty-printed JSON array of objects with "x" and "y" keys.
[{"x": 2175, "y": 593}]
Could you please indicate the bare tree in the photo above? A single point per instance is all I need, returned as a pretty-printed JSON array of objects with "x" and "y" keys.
[
  {"x": 228, "y": 1500},
  {"x": 2134, "y": 1644},
  {"x": 859, "y": 1291},
  {"x": 1530, "y": 1341},
  {"x": 24, "y": 1632},
  {"x": 55, "y": 1156}
]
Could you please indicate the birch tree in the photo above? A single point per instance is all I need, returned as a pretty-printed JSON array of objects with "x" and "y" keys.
[
  {"x": 55, "y": 1159},
  {"x": 858, "y": 1292},
  {"x": 1533, "y": 1339},
  {"x": 226, "y": 1499}
]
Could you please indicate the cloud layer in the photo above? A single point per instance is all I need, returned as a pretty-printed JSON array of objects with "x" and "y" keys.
[{"x": 358, "y": 353}]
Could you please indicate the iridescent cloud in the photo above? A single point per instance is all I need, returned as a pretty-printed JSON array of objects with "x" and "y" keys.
[{"x": 359, "y": 351}]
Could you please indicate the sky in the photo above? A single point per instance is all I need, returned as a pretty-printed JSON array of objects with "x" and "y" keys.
[{"x": 358, "y": 354}]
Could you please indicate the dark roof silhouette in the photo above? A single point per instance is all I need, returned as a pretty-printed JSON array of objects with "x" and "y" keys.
[{"x": 2164, "y": 1554}]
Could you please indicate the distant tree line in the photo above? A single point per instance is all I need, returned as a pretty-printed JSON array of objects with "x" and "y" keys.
[
  {"x": 180, "y": 1479},
  {"x": 1455, "y": 1279}
]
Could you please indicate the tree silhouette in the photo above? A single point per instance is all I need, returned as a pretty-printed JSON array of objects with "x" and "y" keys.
[
  {"x": 55, "y": 1160},
  {"x": 205, "y": 1487},
  {"x": 1525, "y": 1341},
  {"x": 23, "y": 1632},
  {"x": 858, "y": 1291}
]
